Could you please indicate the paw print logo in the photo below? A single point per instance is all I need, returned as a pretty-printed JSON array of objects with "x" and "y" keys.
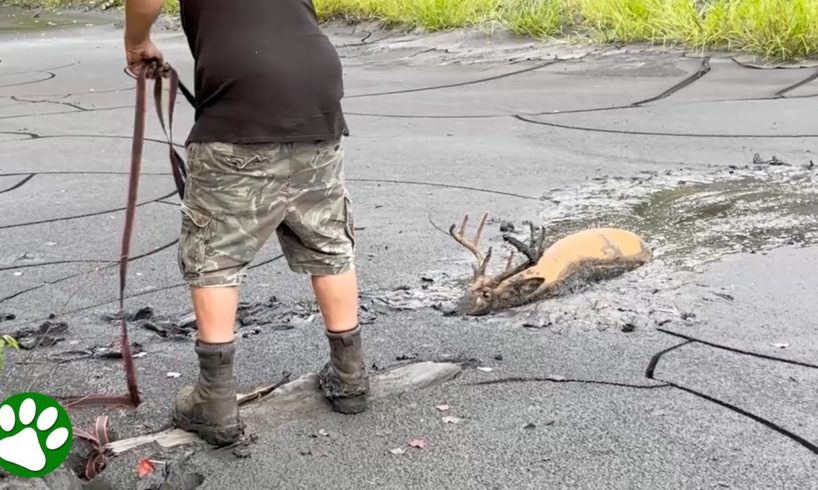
[{"x": 35, "y": 435}]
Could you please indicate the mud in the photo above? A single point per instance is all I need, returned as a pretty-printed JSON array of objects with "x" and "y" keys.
[
  {"x": 15, "y": 20},
  {"x": 252, "y": 318},
  {"x": 179, "y": 327},
  {"x": 693, "y": 218},
  {"x": 689, "y": 218},
  {"x": 49, "y": 333},
  {"x": 171, "y": 475},
  {"x": 435, "y": 289},
  {"x": 273, "y": 315},
  {"x": 113, "y": 351}
]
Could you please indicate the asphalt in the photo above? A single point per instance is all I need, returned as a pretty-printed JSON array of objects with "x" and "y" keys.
[{"x": 697, "y": 370}]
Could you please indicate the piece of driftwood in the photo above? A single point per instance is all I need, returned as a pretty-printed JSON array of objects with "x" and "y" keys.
[
  {"x": 265, "y": 407},
  {"x": 167, "y": 439}
]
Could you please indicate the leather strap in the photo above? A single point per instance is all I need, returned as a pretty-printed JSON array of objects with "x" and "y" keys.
[{"x": 156, "y": 72}]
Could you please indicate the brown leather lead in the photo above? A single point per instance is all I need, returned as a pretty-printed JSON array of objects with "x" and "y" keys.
[{"x": 157, "y": 73}]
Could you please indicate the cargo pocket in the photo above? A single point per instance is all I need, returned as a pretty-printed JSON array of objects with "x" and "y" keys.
[
  {"x": 237, "y": 156},
  {"x": 194, "y": 240},
  {"x": 327, "y": 154}
]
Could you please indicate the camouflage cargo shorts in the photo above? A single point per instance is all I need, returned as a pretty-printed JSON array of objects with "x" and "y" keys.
[{"x": 237, "y": 195}]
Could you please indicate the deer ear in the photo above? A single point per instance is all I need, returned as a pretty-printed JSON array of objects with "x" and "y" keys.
[{"x": 528, "y": 286}]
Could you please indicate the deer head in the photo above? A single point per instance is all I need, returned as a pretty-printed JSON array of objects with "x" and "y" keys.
[{"x": 485, "y": 293}]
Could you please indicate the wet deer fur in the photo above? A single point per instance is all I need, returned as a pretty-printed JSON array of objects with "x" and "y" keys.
[{"x": 577, "y": 259}]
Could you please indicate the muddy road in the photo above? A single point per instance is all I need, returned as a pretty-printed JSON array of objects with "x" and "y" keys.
[{"x": 697, "y": 370}]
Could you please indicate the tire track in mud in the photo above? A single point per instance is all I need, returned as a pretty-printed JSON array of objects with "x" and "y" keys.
[
  {"x": 650, "y": 374},
  {"x": 112, "y": 263},
  {"x": 457, "y": 84},
  {"x": 23, "y": 182},
  {"x": 54, "y": 262},
  {"x": 127, "y": 297},
  {"x": 43, "y": 70},
  {"x": 45, "y": 101},
  {"x": 35, "y": 136},
  {"x": 569, "y": 381},
  {"x": 761, "y": 420},
  {"x": 77, "y": 109},
  {"x": 783, "y": 92},
  {"x": 664, "y": 133},
  {"x": 48, "y": 76},
  {"x": 736, "y": 350},
  {"x": 663, "y": 384},
  {"x": 703, "y": 70},
  {"x": 86, "y": 215},
  {"x": 161, "y": 200}
]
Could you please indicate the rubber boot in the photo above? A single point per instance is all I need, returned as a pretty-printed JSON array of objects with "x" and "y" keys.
[
  {"x": 210, "y": 408},
  {"x": 344, "y": 380}
]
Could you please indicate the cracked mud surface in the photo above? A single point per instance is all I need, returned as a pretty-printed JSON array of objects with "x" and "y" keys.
[{"x": 695, "y": 371}]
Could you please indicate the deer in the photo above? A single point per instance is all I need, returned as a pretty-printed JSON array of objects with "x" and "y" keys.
[{"x": 575, "y": 260}]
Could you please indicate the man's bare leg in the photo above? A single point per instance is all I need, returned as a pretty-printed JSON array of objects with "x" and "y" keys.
[
  {"x": 344, "y": 379},
  {"x": 337, "y": 298},
  {"x": 215, "y": 309}
]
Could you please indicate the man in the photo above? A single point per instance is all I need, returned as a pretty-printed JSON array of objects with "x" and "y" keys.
[{"x": 264, "y": 154}]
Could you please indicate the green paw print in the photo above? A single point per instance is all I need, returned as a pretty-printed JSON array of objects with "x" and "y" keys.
[{"x": 35, "y": 435}]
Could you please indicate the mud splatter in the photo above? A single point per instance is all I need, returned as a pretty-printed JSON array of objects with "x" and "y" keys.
[
  {"x": 112, "y": 351},
  {"x": 435, "y": 289},
  {"x": 47, "y": 334},
  {"x": 180, "y": 327},
  {"x": 272, "y": 315},
  {"x": 252, "y": 318}
]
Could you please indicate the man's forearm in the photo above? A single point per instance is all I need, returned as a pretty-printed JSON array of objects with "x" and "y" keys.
[{"x": 139, "y": 17}]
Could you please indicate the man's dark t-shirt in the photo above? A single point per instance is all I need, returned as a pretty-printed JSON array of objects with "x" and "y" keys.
[{"x": 264, "y": 72}]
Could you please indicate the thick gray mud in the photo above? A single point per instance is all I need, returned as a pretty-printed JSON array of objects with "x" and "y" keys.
[
  {"x": 693, "y": 218},
  {"x": 688, "y": 217}
]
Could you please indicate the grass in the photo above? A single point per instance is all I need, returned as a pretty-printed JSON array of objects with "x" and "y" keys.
[
  {"x": 783, "y": 30},
  {"x": 6, "y": 341}
]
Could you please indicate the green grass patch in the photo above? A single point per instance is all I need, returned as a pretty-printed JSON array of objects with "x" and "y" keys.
[
  {"x": 536, "y": 18},
  {"x": 775, "y": 29},
  {"x": 782, "y": 30},
  {"x": 6, "y": 341}
]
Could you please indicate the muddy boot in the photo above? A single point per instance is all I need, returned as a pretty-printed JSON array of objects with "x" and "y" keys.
[
  {"x": 344, "y": 380},
  {"x": 210, "y": 409}
]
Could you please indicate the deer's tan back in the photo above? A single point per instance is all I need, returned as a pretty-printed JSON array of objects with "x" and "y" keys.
[{"x": 597, "y": 246}]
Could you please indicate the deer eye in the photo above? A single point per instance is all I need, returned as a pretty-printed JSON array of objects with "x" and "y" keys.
[{"x": 486, "y": 294}]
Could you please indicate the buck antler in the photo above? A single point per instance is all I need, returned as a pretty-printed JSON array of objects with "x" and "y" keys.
[
  {"x": 535, "y": 248},
  {"x": 473, "y": 245}
]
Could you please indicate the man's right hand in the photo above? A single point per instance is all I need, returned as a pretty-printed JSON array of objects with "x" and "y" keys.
[
  {"x": 139, "y": 16},
  {"x": 139, "y": 54}
]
